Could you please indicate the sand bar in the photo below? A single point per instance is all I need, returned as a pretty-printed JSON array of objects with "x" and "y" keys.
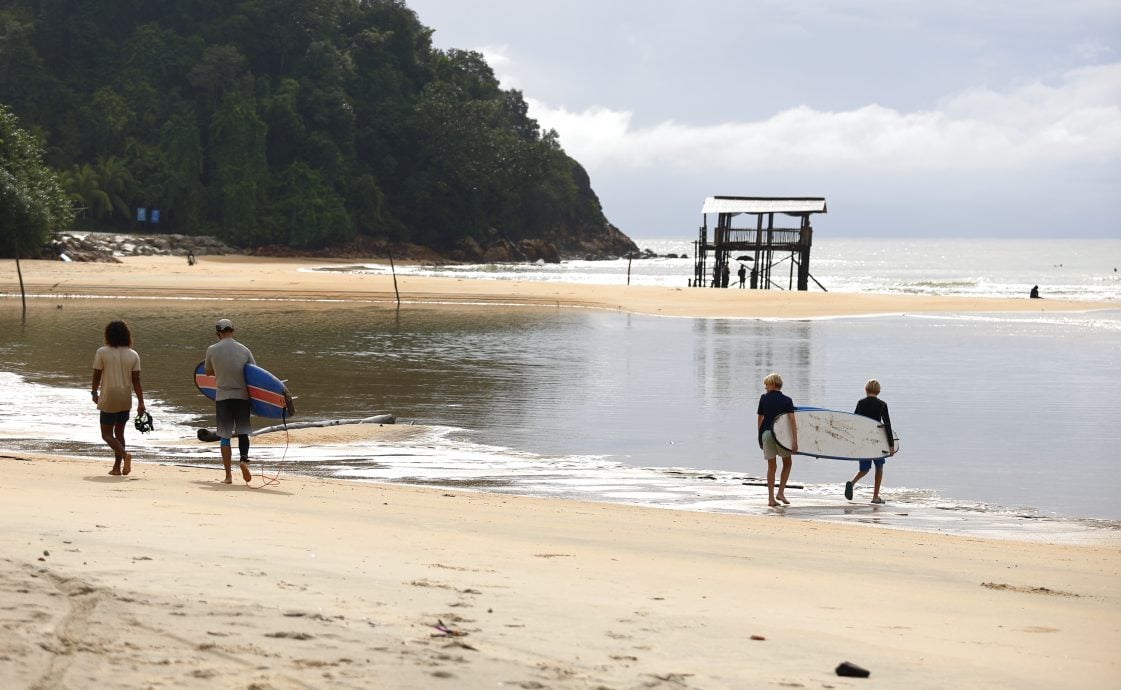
[
  {"x": 257, "y": 278},
  {"x": 169, "y": 578}
]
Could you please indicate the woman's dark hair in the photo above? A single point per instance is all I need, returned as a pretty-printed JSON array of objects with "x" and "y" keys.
[{"x": 117, "y": 334}]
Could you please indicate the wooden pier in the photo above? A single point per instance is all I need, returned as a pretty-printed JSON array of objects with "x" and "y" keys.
[{"x": 760, "y": 249}]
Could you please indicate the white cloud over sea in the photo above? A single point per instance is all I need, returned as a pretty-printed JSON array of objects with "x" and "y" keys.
[{"x": 1075, "y": 120}]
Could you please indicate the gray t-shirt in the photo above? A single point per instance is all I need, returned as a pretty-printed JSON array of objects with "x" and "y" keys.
[{"x": 227, "y": 359}]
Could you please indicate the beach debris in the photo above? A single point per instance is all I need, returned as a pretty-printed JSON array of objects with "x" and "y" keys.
[
  {"x": 290, "y": 635},
  {"x": 445, "y": 631},
  {"x": 851, "y": 670},
  {"x": 762, "y": 483},
  {"x": 1028, "y": 590},
  {"x": 757, "y": 638}
]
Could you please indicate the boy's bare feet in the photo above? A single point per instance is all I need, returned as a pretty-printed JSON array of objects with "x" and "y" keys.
[
  {"x": 127, "y": 463},
  {"x": 245, "y": 474}
]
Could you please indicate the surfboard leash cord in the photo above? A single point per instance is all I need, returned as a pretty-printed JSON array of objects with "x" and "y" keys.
[{"x": 275, "y": 479}]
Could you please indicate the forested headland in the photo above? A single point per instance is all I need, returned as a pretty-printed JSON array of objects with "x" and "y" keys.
[{"x": 296, "y": 124}]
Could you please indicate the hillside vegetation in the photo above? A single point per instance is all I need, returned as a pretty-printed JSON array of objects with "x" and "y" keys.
[{"x": 303, "y": 124}]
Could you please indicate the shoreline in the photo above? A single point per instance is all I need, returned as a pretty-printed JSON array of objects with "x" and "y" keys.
[
  {"x": 240, "y": 277},
  {"x": 170, "y": 577}
]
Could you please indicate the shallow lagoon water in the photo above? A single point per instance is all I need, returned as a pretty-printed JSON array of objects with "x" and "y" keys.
[{"x": 1008, "y": 423}]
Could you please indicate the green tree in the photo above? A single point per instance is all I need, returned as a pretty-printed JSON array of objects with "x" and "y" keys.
[
  {"x": 240, "y": 169},
  {"x": 32, "y": 204},
  {"x": 308, "y": 214},
  {"x": 115, "y": 181},
  {"x": 181, "y": 145},
  {"x": 83, "y": 187}
]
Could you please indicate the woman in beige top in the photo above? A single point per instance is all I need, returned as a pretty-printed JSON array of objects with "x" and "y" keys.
[{"x": 116, "y": 375}]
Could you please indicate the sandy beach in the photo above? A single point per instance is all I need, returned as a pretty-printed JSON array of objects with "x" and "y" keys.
[
  {"x": 168, "y": 578},
  {"x": 254, "y": 278}
]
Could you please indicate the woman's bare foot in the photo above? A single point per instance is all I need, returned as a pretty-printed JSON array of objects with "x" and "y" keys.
[
  {"x": 115, "y": 472},
  {"x": 783, "y": 499},
  {"x": 127, "y": 463},
  {"x": 774, "y": 504},
  {"x": 228, "y": 480}
]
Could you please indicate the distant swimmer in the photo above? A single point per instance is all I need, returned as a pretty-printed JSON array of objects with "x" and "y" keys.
[{"x": 1034, "y": 294}]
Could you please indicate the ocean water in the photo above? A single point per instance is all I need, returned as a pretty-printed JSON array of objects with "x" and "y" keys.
[
  {"x": 1063, "y": 269},
  {"x": 1008, "y": 422}
]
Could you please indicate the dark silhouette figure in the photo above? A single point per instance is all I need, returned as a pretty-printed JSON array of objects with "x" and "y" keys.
[
  {"x": 1034, "y": 294},
  {"x": 743, "y": 275}
]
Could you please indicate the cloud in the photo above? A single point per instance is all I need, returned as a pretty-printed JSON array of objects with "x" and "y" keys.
[{"x": 1075, "y": 120}]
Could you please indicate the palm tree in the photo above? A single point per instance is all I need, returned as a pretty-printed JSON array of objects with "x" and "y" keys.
[
  {"x": 114, "y": 179},
  {"x": 83, "y": 188}
]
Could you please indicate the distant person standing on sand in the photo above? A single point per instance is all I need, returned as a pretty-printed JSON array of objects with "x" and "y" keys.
[
  {"x": 1034, "y": 294},
  {"x": 225, "y": 361},
  {"x": 872, "y": 407},
  {"x": 743, "y": 275},
  {"x": 772, "y": 404},
  {"x": 116, "y": 376}
]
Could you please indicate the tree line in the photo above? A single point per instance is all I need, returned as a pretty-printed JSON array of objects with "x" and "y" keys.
[{"x": 302, "y": 123}]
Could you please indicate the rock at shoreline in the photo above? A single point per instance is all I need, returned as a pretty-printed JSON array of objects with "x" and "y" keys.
[{"x": 107, "y": 247}]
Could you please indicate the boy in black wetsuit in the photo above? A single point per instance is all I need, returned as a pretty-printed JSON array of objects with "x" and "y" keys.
[{"x": 873, "y": 408}]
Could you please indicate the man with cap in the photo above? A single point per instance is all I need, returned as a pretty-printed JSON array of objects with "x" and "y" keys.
[{"x": 225, "y": 361}]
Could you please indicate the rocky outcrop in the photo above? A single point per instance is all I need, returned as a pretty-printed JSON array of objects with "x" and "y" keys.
[
  {"x": 108, "y": 247},
  {"x": 606, "y": 243}
]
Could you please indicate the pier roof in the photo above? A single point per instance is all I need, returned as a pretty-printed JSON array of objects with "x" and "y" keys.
[{"x": 763, "y": 204}]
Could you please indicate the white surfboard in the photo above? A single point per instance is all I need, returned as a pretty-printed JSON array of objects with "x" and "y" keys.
[{"x": 834, "y": 434}]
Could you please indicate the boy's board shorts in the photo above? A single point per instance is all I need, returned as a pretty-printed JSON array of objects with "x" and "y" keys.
[
  {"x": 771, "y": 448},
  {"x": 866, "y": 465}
]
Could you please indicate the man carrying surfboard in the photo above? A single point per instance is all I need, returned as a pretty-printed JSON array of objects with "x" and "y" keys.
[
  {"x": 772, "y": 404},
  {"x": 225, "y": 361},
  {"x": 872, "y": 407}
]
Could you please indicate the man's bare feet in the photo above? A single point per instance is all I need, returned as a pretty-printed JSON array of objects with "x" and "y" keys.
[
  {"x": 773, "y": 504},
  {"x": 115, "y": 472},
  {"x": 127, "y": 463},
  {"x": 245, "y": 474},
  {"x": 783, "y": 499}
]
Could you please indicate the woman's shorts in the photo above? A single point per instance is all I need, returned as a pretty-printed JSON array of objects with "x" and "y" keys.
[
  {"x": 771, "y": 448},
  {"x": 114, "y": 418}
]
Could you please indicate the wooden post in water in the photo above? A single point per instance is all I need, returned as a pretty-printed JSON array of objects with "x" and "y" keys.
[{"x": 393, "y": 269}]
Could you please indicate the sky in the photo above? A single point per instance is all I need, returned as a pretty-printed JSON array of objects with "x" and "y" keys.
[{"x": 913, "y": 118}]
